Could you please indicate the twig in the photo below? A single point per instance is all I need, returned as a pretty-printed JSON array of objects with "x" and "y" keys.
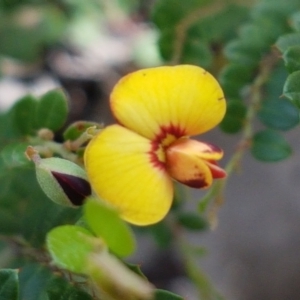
[
  {"x": 255, "y": 98},
  {"x": 190, "y": 19}
]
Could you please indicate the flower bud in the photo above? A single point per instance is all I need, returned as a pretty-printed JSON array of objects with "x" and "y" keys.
[{"x": 63, "y": 181}]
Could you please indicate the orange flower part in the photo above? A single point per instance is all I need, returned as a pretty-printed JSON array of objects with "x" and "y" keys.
[{"x": 133, "y": 165}]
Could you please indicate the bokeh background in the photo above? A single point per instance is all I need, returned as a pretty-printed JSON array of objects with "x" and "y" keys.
[{"x": 85, "y": 47}]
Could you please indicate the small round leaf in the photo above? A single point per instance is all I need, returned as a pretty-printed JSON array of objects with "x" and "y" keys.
[
  {"x": 52, "y": 110},
  {"x": 70, "y": 247},
  {"x": 279, "y": 114},
  {"x": 291, "y": 88},
  {"x": 270, "y": 146},
  {"x": 288, "y": 40},
  {"x": 291, "y": 58},
  {"x": 24, "y": 111}
]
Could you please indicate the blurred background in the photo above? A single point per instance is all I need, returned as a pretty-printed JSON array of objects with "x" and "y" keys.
[{"x": 85, "y": 47}]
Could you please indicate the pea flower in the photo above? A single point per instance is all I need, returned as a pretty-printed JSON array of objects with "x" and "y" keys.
[{"x": 132, "y": 164}]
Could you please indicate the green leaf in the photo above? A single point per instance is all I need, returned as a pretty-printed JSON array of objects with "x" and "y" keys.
[
  {"x": 24, "y": 111},
  {"x": 27, "y": 39},
  {"x": 273, "y": 88},
  {"x": 277, "y": 10},
  {"x": 166, "y": 295},
  {"x": 291, "y": 58},
  {"x": 162, "y": 234},
  {"x": 136, "y": 269},
  {"x": 279, "y": 114},
  {"x": 295, "y": 21},
  {"x": 235, "y": 116},
  {"x": 70, "y": 247},
  {"x": 76, "y": 129},
  {"x": 168, "y": 13},
  {"x": 239, "y": 52},
  {"x": 13, "y": 155},
  {"x": 235, "y": 76},
  {"x": 288, "y": 40},
  {"x": 106, "y": 223},
  {"x": 38, "y": 283},
  {"x": 255, "y": 35},
  {"x": 270, "y": 146},
  {"x": 52, "y": 110},
  {"x": 8, "y": 130},
  {"x": 33, "y": 279},
  {"x": 192, "y": 221},
  {"x": 291, "y": 88},
  {"x": 10, "y": 224},
  {"x": 196, "y": 52},
  {"x": 262, "y": 33},
  {"x": 9, "y": 285},
  {"x": 26, "y": 208},
  {"x": 59, "y": 288},
  {"x": 216, "y": 28}
]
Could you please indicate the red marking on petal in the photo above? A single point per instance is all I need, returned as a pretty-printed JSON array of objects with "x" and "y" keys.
[
  {"x": 167, "y": 130},
  {"x": 198, "y": 183},
  {"x": 166, "y": 136},
  {"x": 156, "y": 161}
]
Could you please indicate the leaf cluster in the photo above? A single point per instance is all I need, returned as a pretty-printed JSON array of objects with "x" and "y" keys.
[
  {"x": 75, "y": 238},
  {"x": 241, "y": 42}
]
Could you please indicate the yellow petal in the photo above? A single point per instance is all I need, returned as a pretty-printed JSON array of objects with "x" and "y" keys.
[
  {"x": 193, "y": 163},
  {"x": 124, "y": 170},
  {"x": 168, "y": 101}
]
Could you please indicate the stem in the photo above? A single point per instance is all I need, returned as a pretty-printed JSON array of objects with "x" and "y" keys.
[
  {"x": 48, "y": 148},
  {"x": 204, "y": 287},
  {"x": 190, "y": 19},
  {"x": 255, "y": 98}
]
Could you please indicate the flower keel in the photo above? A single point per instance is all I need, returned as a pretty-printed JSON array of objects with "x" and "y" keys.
[{"x": 193, "y": 163}]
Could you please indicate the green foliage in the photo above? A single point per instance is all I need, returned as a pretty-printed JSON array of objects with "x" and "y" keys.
[
  {"x": 235, "y": 116},
  {"x": 165, "y": 295},
  {"x": 70, "y": 247},
  {"x": 76, "y": 129},
  {"x": 106, "y": 223},
  {"x": 201, "y": 35},
  {"x": 52, "y": 110},
  {"x": 162, "y": 234},
  {"x": 24, "y": 112},
  {"x": 37, "y": 282},
  {"x": 26, "y": 31},
  {"x": 254, "y": 50},
  {"x": 192, "y": 221},
  {"x": 291, "y": 88},
  {"x": 288, "y": 40},
  {"x": 12, "y": 156},
  {"x": 291, "y": 58},
  {"x": 9, "y": 287},
  {"x": 279, "y": 114},
  {"x": 270, "y": 146}
]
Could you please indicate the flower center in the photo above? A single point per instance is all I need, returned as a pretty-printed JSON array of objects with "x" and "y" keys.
[{"x": 167, "y": 136}]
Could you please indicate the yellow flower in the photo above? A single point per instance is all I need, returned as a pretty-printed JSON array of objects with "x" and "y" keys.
[{"x": 133, "y": 165}]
